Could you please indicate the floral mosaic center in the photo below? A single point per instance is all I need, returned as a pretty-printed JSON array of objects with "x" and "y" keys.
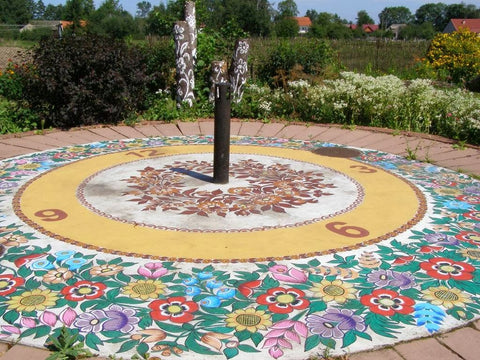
[
  {"x": 144, "y": 288},
  {"x": 32, "y": 300},
  {"x": 446, "y": 295},
  {"x": 334, "y": 290},
  {"x": 174, "y": 309},
  {"x": 387, "y": 302},
  {"x": 84, "y": 290},
  {"x": 285, "y": 299},
  {"x": 177, "y": 193},
  {"x": 4, "y": 284},
  {"x": 248, "y": 319}
]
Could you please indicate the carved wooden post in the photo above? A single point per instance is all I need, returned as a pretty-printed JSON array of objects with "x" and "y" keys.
[
  {"x": 190, "y": 18},
  {"x": 184, "y": 64},
  {"x": 217, "y": 76},
  {"x": 239, "y": 70}
]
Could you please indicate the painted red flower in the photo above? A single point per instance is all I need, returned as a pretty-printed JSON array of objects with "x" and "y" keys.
[
  {"x": 430, "y": 248},
  {"x": 474, "y": 215},
  {"x": 9, "y": 284},
  {"x": 175, "y": 309},
  {"x": 283, "y": 301},
  {"x": 388, "y": 302},
  {"x": 83, "y": 290},
  {"x": 247, "y": 289},
  {"x": 471, "y": 199},
  {"x": 445, "y": 269},
  {"x": 472, "y": 237}
]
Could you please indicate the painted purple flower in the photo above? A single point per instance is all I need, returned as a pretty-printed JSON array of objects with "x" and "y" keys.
[
  {"x": 401, "y": 280},
  {"x": 335, "y": 323},
  {"x": 472, "y": 190},
  {"x": 120, "y": 319},
  {"x": 4, "y": 185},
  {"x": 91, "y": 321},
  {"x": 378, "y": 277},
  {"x": 441, "y": 239}
]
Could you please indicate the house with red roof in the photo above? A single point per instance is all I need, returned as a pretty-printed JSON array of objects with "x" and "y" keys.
[
  {"x": 304, "y": 24},
  {"x": 368, "y": 28},
  {"x": 456, "y": 24}
]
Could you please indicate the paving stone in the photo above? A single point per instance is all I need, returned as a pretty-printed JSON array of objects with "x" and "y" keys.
[
  {"x": 207, "y": 127},
  {"x": 169, "y": 129},
  {"x": 291, "y": 131},
  {"x": 270, "y": 130},
  {"x": 425, "y": 349},
  {"x": 21, "y": 352},
  {"x": 235, "y": 127},
  {"x": 76, "y": 137},
  {"x": 333, "y": 133},
  {"x": 310, "y": 132},
  {"x": 3, "y": 348},
  {"x": 128, "y": 132},
  {"x": 8, "y": 151},
  {"x": 108, "y": 133},
  {"x": 476, "y": 324},
  {"x": 250, "y": 128},
  {"x": 189, "y": 128},
  {"x": 367, "y": 142},
  {"x": 148, "y": 130},
  {"x": 59, "y": 139},
  {"x": 384, "y": 354},
  {"x": 345, "y": 137},
  {"x": 27, "y": 143},
  {"x": 461, "y": 342}
]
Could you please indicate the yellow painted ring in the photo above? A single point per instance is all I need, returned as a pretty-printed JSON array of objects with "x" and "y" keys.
[{"x": 390, "y": 206}]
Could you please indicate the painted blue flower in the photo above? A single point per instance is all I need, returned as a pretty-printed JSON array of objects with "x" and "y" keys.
[
  {"x": 75, "y": 263},
  {"x": 387, "y": 165},
  {"x": 64, "y": 254},
  {"x": 41, "y": 264},
  {"x": 190, "y": 281},
  {"x": 211, "y": 302},
  {"x": 192, "y": 290},
  {"x": 457, "y": 205},
  {"x": 46, "y": 165},
  {"x": 214, "y": 284},
  {"x": 225, "y": 293},
  {"x": 205, "y": 275}
]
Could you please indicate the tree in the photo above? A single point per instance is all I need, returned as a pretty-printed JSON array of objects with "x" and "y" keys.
[
  {"x": 286, "y": 27},
  {"x": 76, "y": 10},
  {"x": 143, "y": 8},
  {"x": 363, "y": 18},
  {"x": 39, "y": 10},
  {"x": 394, "y": 15},
  {"x": 418, "y": 31},
  {"x": 432, "y": 13},
  {"x": 53, "y": 12},
  {"x": 287, "y": 8},
  {"x": 110, "y": 19},
  {"x": 15, "y": 12}
]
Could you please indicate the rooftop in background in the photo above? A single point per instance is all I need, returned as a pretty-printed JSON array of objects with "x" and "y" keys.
[{"x": 455, "y": 24}]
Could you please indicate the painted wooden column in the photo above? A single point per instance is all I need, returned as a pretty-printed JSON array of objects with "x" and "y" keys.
[
  {"x": 190, "y": 18},
  {"x": 184, "y": 62},
  {"x": 238, "y": 71},
  {"x": 218, "y": 75}
]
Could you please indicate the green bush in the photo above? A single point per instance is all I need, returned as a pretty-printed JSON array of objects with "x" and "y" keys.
[
  {"x": 11, "y": 84},
  {"x": 36, "y": 34},
  {"x": 83, "y": 80},
  {"x": 312, "y": 56},
  {"x": 16, "y": 117}
]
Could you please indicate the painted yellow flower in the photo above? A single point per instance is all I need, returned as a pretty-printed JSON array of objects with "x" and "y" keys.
[
  {"x": 28, "y": 166},
  {"x": 13, "y": 240},
  {"x": 249, "y": 319},
  {"x": 32, "y": 300},
  {"x": 57, "y": 276},
  {"x": 105, "y": 270},
  {"x": 145, "y": 289},
  {"x": 470, "y": 253},
  {"x": 446, "y": 297},
  {"x": 336, "y": 290},
  {"x": 448, "y": 192}
]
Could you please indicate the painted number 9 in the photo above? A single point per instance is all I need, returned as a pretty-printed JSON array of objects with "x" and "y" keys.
[
  {"x": 346, "y": 230},
  {"x": 51, "y": 214}
]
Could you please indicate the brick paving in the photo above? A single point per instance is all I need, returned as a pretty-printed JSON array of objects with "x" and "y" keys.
[{"x": 459, "y": 344}]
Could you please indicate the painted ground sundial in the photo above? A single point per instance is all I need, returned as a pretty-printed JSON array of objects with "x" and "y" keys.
[{"x": 310, "y": 245}]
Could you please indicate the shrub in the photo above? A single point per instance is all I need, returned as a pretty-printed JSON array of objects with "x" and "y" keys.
[
  {"x": 16, "y": 117},
  {"x": 88, "y": 79},
  {"x": 313, "y": 56},
  {"x": 11, "y": 81},
  {"x": 456, "y": 54}
]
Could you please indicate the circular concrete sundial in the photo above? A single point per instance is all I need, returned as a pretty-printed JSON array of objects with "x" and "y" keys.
[{"x": 310, "y": 245}]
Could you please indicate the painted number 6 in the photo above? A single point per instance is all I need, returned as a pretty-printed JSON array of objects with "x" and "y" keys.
[
  {"x": 346, "y": 230},
  {"x": 51, "y": 214}
]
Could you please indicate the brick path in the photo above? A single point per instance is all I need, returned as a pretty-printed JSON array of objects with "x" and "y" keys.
[{"x": 460, "y": 344}]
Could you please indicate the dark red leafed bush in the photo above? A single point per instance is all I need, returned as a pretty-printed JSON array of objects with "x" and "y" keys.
[{"x": 84, "y": 80}]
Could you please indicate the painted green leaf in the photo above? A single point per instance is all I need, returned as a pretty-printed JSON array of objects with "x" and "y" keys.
[
  {"x": 168, "y": 327},
  {"x": 247, "y": 348},
  {"x": 349, "y": 339},
  {"x": 312, "y": 342},
  {"x": 32, "y": 284},
  {"x": 230, "y": 352},
  {"x": 243, "y": 335},
  {"x": 92, "y": 340},
  {"x": 363, "y": 335},
  {"x": 42, "y": 331},
  {"x": 316, "y": 306},
  {"x": 314, "y": 263},
  {"x": 142, "y": 349},
  {"x": 28, "y": 332},
  {"x": 329, "y": 343},
  {"x": 128, "y": 345},
  {"x": 257, "y": 338},
  {"x": 11, "y": 316}
]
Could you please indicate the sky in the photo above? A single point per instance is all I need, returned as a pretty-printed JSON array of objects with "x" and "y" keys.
[{"x": 346, "y": 9}]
